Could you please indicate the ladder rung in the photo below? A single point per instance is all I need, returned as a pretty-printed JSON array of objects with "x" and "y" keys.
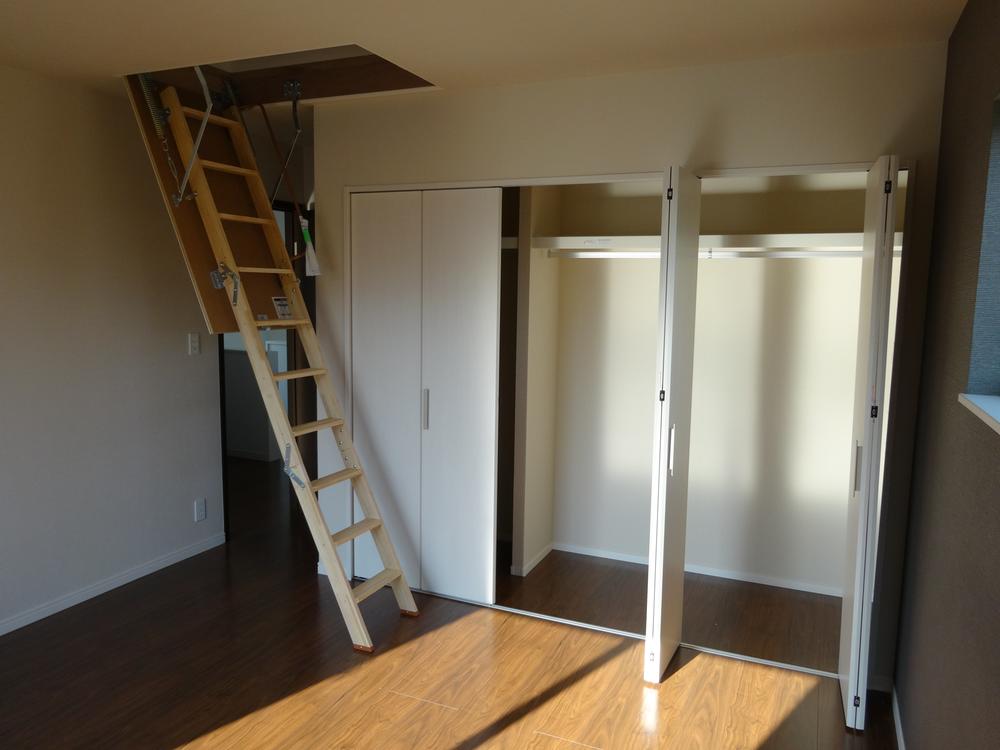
[
  {"x": 197, "y": 114},
  {"x": 218, "y": 166},
  {"x": 363, "y": 590},
  {"x": 245, "y": 219},
  {"x": 307, "y": 372},
  {"x": 281, "y": 322},
  {"x": 260, "y": 269},
  {"x": 307, "y": 428},
  {"x": 353, "y": 532},
  {"x": 336, "y": 478}
]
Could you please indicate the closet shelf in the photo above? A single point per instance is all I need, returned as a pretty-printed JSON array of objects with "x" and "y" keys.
[{"x": 819, "y": 244}]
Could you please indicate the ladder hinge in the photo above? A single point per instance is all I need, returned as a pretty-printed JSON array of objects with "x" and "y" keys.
[
  {"x": 287, "y": 468},
  {"x": 857, "y": 701},
  {"x": 663, "y": 395},
  {"x": 219, "y": 276},
  {"x": 888, "y": 186},
  {"x": 874, "y": 411},
  {"x": 670, "y": 193}
]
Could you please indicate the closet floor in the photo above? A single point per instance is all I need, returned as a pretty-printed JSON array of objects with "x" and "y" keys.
[
  {"x": 766, "y": 622},
  {"x": 581, "y": 588}
]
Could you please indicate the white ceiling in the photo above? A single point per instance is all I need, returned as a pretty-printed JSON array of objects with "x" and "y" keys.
[{"x": 454, "y": 43}]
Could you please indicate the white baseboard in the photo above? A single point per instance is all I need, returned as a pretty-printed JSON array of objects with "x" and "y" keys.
[
  {"x": 517, "y": 570},
  {"x": 784, "y": 583},
  {"x": 900, "y": 742},
  {"x": 66, "y": 601},
  {"x": 734, "y": 575},
  {"x": 638, "y": 559}
]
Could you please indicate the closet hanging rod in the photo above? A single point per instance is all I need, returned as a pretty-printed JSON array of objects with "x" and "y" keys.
[
  {"x": 713, "y": 254},
  {"x": 775, "y": 241},
  {"x": 819, "y": 244}
]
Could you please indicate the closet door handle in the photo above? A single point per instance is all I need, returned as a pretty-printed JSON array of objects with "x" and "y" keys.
[
  {"x": 670, "y": 453},
  {"x": 857, "y": 467},
  {"x": 425, "y": 409}
]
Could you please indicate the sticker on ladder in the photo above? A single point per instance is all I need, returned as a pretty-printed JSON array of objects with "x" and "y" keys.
[{"x": 281, "y": 308}]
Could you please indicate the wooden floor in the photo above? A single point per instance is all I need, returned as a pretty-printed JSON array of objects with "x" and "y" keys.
[
  {"x": 243, "y": 647},
  {"x": 767, "y": 622}
]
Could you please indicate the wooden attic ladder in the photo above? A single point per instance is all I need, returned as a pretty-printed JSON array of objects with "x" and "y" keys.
[{"x": 250, "y": 327}]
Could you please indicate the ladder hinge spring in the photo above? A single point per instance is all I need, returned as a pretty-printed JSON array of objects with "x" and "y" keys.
[
  {"x": 219, "y": 276},
  {"x": 288, "y": 469}
]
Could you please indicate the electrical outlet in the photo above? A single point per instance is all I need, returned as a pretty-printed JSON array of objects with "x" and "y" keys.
[
  {"x": 194, "y": 344},
  {"x": 200, "y": 510}
]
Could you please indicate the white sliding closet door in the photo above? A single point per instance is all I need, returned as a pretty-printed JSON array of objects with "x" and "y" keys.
[
  {"x": 461, "y": 279},
  {"x": 671, "y": 401},
  {"x": 385, "y": 365},
  {"x": 873, "y": 330}
]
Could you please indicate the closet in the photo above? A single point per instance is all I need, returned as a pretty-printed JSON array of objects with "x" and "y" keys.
[
  {"x": 424, "y": 330},
  {"x": 587, "y": 334},
  {"x": 660, "y": 412},
  {"x": 602, "y": 413},
  {"x": 789, "y": 343}
]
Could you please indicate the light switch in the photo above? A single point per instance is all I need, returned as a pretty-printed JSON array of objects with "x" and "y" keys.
[{"x": 194, "y": 344}]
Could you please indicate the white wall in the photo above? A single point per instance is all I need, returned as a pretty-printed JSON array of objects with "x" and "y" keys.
[
  {"x": 775, "y": 346},
  {"x": 110, "y": 431},
  {"x": 604, "y": 436},
  {"x": 844, "y": 107}
]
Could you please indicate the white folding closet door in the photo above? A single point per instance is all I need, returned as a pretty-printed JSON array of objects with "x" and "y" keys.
[
  {"x": 671, "y": 401},
  {"x": 862, "y": 506},
  {"x": 461, "y": 280},
  {"x": 385, "y": 367}
]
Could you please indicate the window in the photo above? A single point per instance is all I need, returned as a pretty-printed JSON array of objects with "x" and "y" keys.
[{"x": 983, "y": 396}]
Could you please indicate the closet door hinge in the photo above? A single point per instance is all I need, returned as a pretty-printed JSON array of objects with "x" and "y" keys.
[
  {"x": 670, "y": 193},
  {"x": 888, "y": 186},
  {"x": 874, "y": 411},
  {"x": 663, "y": 395},
  {"x": 857, "y": 701}
]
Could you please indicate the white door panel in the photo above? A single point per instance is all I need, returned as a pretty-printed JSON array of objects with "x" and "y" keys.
[
  {"x": 460, "y": 331},
  {"x": 671, "y": 400},
  {"x": 859, "y": 576},
  {"x": 385, "y": 315}
]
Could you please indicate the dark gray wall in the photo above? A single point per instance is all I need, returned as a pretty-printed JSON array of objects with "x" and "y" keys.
[{"x": 948, "y": 662}]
